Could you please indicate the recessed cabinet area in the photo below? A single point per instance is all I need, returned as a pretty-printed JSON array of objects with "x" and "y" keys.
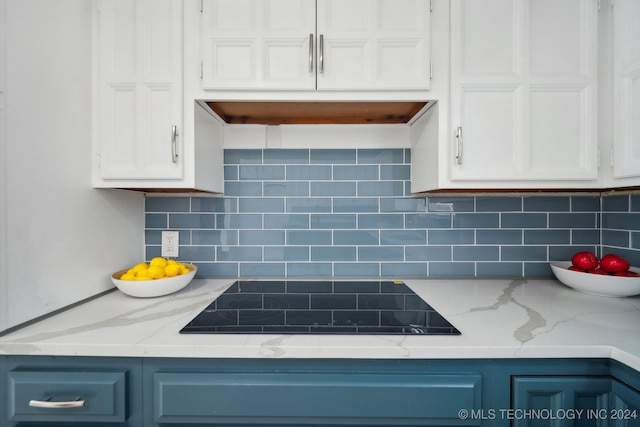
[{"x": 526, "y": 95}]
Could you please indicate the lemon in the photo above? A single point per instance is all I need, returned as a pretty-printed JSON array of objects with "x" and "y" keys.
[
  {"x": 184, "y": 270},
  {"x": 172, "y": 270},
  {"x": 158, "y": 261},
  {"x": 155, "y": 271},
  {"x": 171, "y": 261},
  {"x": 128, "y": 276},
  {"x": 143, "y": 278},
  {"x": 140, "y": 266}
]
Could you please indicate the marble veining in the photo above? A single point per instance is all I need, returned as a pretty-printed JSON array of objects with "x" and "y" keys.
[{"x": 499, "y": 318}]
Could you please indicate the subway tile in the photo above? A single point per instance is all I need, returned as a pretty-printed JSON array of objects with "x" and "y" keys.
[
  {"x": 213, "y": 237},
  {"x": 621, "y": 221},
  {"x": 428, "y": 220},
  {"x": 523, "y": 220},
  {"x": 499, "y": 269},
  {"x": 286, "y": 221},
  {"x": 285, "y": 156},
  {"x": 332, "y": 156},
  {"x": 192, "y": 220},
  {"x": 380, "y": 188},
  {"x": 355, "y": 172},
  {"x": 476, "y": 253},
  {"x": 565, "y": 252},
  {"x": 585, "y": 237},
  {"x": 403, "y": 269},
  {"x": 617, "y": 238},
  {"x": 451, "y": 204},
  {"x": 308, "y": 172},
  {"x": 395, "y": 172},
  {"x": 380, "y": 221},
  {"x": 403, "y": 237},
  {"x": 166, "y": 204},
  {"x": 361, "y": 204},
  {"x": 159, "y": 220},
  {"x": 262, "y": 269},
  {"x": 585, "y": 204},
  {"x": 308, "y": 204},
  {"x": 538, "y": 269},
  {"x": 498, "y": 204},
  {"x": 153, "y": 237},
  {"x": 635, "y": 241},
  {"x": 545, "y": 204},
  {"x": 197, "y": 253},
  {"x": 615, "y": 203},
  {"x": 239, "y": 253},
  {"x": 263, "y": 205},
  {"x": 523, "y": 253},
  {"x": 450, "y": 237},
  {"x": 231, "y": 172},
  {"x": 309, "y": 237},
  {"x": 333, "y": 189},
  {"x": 502, "y": 236},
  {"x": 286, "y": 188},
  {"x": 309, "y": 269},
  {"x": 286, "y": 253},
  {"x": 238, "y": 221},
  {"x": 261, "y": 172},
  {"x": 262, "y": 237},
  {"x": 381, "y": 156},
  {"x": 547, "y": 237},
  {"x": 402, "y": 204},
  {"x": 333, "y": 221},
  {"x": 428, "y": 253},
  {"x": 217, "y": 269},
  {"x": 333, "y": 253},
  {"x": 635, "y": 203},
  {"x": 214, "y": 204},
  {"x": 356, "y": 237},
  {"x": 573, "y": 220},
  {"x": 451, "y": 269},
  {"x": 356, "y": 269},
  {"x": 476, "y": 220},
  {"x": 380, "y": 253},
  {"x": 245, "y": 189},
  {"x": 233, "y": 156}
]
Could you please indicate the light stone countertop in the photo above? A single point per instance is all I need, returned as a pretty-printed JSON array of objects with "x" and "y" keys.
[{"x": 498, "y": 318}]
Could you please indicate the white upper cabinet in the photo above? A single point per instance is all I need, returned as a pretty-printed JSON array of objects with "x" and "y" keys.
[
  {"x": 309, "y": 45},
  {"x": 523, "y": 94},
  {"x": 626, "y": 97},
  {"x": 145, "y": 134}
]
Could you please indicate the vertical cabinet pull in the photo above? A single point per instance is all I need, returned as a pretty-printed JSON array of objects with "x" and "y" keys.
[
  {"x": 321, "y": 53},
  {"x": 311, "y": 52},
  {"x": 47, "y": 403},
  {"x": 174, "y": 143},
  {"x": 459, "y": 145}
]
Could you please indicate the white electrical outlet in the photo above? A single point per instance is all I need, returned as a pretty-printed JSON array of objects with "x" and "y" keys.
[{"x": 170, "y": 244}]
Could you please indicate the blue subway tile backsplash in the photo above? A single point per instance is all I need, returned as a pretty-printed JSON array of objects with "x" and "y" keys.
[{"x": 349, "y": 213}]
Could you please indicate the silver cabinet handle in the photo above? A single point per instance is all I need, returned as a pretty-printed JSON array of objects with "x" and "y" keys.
[
  {"x": 174, "y": 144},
  {"x": 311, "y": 52},
  {"x": 321, "y": 53},
  {"x": 47, "y": 403},
  {"x": 459, "y": 145}
]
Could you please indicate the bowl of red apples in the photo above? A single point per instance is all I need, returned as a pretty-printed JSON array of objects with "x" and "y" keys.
[{"x": 610, "y": 276}]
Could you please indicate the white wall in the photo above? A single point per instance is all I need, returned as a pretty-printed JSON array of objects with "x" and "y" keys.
[{"x": 63, "y": 238}]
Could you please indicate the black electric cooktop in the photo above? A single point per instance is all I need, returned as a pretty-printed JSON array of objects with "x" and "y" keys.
[{"x": 319, "y": 307}]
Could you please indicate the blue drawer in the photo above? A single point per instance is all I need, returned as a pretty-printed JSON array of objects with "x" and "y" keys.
[
  {"x": 103, "y": 396},
  {"x": 305, "y": 398}
]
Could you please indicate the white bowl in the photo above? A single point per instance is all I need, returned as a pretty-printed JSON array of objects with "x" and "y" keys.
[
  {"x": 156, "y": 287},
  {"x": 597, "y": 284}
]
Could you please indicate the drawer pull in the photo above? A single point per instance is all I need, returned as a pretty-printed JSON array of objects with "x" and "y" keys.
[{"x": 47, "y": 403}]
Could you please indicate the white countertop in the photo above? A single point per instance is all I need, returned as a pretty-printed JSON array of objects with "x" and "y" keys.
[{"x": 498, "y": 318}]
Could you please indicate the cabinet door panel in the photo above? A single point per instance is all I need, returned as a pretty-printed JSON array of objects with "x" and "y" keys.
[
  {"x": 626, "y": 130},
  {"x": 258, "y": 44}
]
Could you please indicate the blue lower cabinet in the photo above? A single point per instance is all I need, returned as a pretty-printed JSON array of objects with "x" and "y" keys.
[
  {"x": 343, "y": 398},
  {"x": 71, "y": 391}
]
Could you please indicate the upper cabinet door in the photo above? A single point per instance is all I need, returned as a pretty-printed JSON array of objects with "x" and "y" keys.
[
  {"x": 523, "y": 91},
  {"x": 626, "y": 74},
  {"x": 373, "y": 45},
  {"x": 258, "y": 44},
  {"x": 140, "y": 89}
]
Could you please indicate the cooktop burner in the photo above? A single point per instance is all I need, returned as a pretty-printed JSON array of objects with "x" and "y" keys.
[{"x": 319, "y": 307}]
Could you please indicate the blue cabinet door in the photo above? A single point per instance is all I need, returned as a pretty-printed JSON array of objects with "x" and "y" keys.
[{"x": 625, "y": 405}]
